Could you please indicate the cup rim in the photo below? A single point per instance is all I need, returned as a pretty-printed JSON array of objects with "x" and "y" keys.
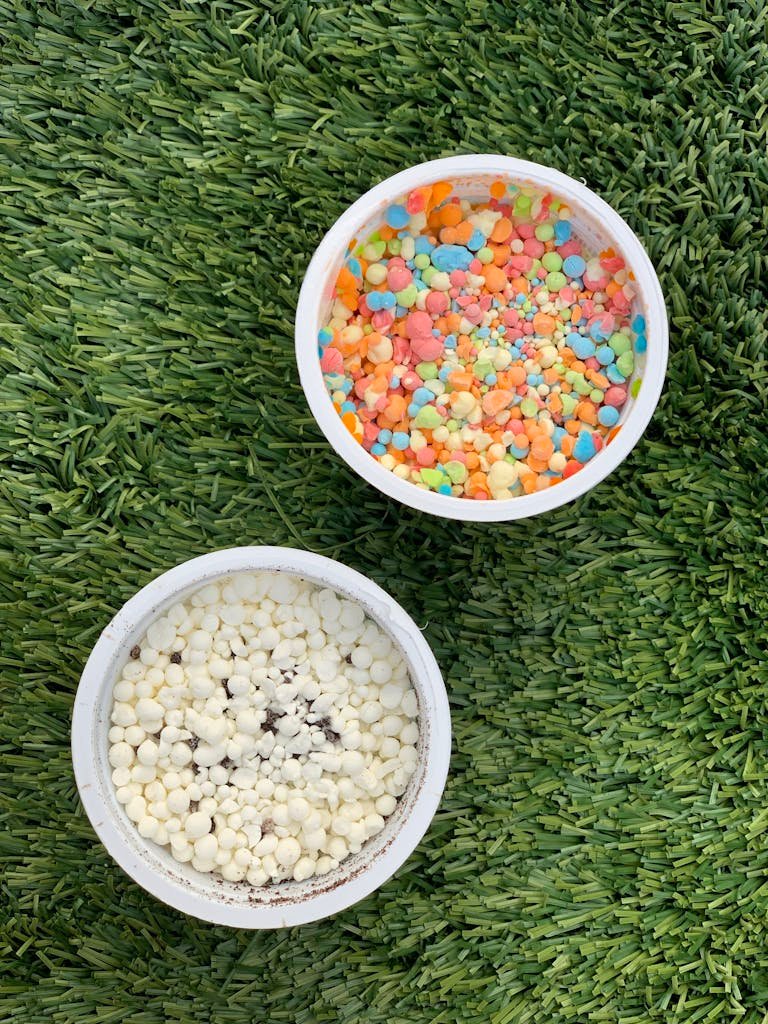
[
  {"x": 122, "y": 630},
  {"x": 447, "y": 506}
]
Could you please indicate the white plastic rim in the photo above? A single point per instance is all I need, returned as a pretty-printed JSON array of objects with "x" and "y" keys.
[
  {"x": 211, "y": 898},
  {"x": 594, "y": 220}
]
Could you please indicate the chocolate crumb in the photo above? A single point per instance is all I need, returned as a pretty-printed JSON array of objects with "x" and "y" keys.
[
  {"x": 176, "y": 658},
  {"x": 224, "y": 683},
  {"x": 193, "y": 805},
  {"x": 227, "y": 762},
  {"x": 271, "y": 719},
  {"x": 135, "y": 652},
  {"x": 330, "y": 733},
  {"x": 193, "y": 742},
  {"x": 348, "y": 659},
  {"x": 267, "y": 827}
]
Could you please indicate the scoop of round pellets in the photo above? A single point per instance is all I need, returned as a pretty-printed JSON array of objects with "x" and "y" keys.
[{"x": 263, "y": 729}]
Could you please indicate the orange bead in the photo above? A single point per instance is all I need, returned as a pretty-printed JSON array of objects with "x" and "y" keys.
[
  {"x": 460, "y": 380},
  {"x": 543, "y": 323},
  {"x": 440, "y": 191},
  {"x": 498, "y": 189},
  {"x": 542, "y": 449},
  {"x": 386, "y": 232},
  {"x": 537, "y": 465},
  {"x": 450, "y": 215},
  {"x": 501, "y": 254},
  {"x": 496, "y": 400},
  {"x": 346, "y": 281},
  {"x": 464, "y": 232},
  {"x": 521, "y": 284},
  {"x": 495, "y": 278},
  {"x": 448, "y": 236},
  {"x": 472, "y": 460},
  {"x": 502, "y": 229},
  {"x": 517, "y": 375}
]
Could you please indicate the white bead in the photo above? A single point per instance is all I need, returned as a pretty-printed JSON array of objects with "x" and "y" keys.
[
  {"x": 197, "y": 824},
  {"x": 381, "y": 672},
  {"x": 121, "y": 755},
  {"x": 178, "y": 801},
  {"x": 303, "y": 869},
  {"x": 288, "y": 852},
  {"x": 147, "y": 753},
  {"x": 206, "y": 847},
  {"x": 352, "y": 762}
]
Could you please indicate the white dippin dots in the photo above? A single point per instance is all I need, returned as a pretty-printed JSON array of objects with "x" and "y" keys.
[{"x": 263, "y": 729}]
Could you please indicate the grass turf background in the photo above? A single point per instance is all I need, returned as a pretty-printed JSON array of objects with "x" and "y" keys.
[{"x": 166, "y": 169}]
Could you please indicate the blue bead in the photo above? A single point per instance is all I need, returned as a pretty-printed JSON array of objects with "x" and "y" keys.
[
  {"x": 532, "y": 379},
  {"x": 354, "y": 267},
  {"x": 444, "y": 489},
  {"x": 423, "y": 245},
  {"x": 582, "y": 347},
  {"x": 613, "y": 375},
  {"x": 400, "y": 440},
  {"x": 605, "y": 355},
  {"x": 385, "y": 436},
  {"x": 388, "y": 300},
  {"x": 477, "y": 241},
  {"x": 378, "y": 449},
  {"x": 491, "y": 379},
  {"x": 325, "y": 335},
  {"x": 638, "y": 324},
  {"x": 574, "y": 266},
  {"x": 374, "y": 301},
  {"x": 607, "y": 416},
  {"x": 397, "y": 216},
  {"x": 584, "y": 448},
  {"x": 483, "y": 332},
  {"x": 413, "y": 409},
  {"x": 394, "y": 382},
  {"x": 451, "y": 257},
  {"x": 348, "y": 407},
  {"x": 642, "y": 343},
  {"x": 421, "y": 396},
  {"x": 562, "y": 231},
  {"x": 451, "y": 341}
]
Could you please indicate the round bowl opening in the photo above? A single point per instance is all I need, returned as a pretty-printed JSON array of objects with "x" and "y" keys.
[
  {"x": 211, "y": 897},
  {"x": 598, "y": 225}
]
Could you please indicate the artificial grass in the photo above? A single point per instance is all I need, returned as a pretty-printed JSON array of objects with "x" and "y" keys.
[{"x": 166, "y": 170}]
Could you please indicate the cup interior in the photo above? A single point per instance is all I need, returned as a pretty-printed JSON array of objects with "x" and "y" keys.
[
  {"x": 600, "y": 228},
  {"x": 143, "y": 859}
]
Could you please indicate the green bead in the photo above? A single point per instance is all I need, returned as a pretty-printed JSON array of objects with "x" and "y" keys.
[
  {"x": 485, "y": 255},
  {"x": 395, "y": 245},
  {"x": 452, "y": 425},
  {"x": 522, "y": 204},
  {"x": 552, "y": 261},
  {"x": 582, "y": 386},
  {"x": 569, "y": 404},
  {"x": 421, "y": 260},
  {"x": 625, "y": 364},
  {"x": 428, "y": 417},
  {"x": 544, "y": 232},
  {"x": 620, "y": 343},
  {"x": 407, "y": 296},
  {"x": 427, "y": 371},
  {"x": 596, "y": 396},
  {"x": 556, "y": 280},
  {"x": 482, "y": 369},
  {"x": 635, "y": 389},
  {"x": 457, "y": 472},
  {"x": 374, "y": 251},
  {"x": 432, "y": 477},
  {"x": 427, "y": 274},
  {"x": 528, "y": 407}
]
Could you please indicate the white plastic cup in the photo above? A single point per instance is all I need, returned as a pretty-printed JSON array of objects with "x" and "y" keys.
[
  {"x": 594, "y": 221},
  {"x": 212, "y": 898}
]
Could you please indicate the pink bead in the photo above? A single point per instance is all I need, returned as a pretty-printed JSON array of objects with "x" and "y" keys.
[
  {"x": 437, "y": 302},
  {"x": 454, "y": 293},
  {"x": 418, "y": 324},
  {"x": 612, "y": 264},
  {"x": 381, "y": 403},
  {"x": 527, "y": 327},
  {"x": 475, "y": 266},
  {"x": 465, "y": 300},
  {"x": 593, "y": 285},
  {"x": 401, "y": 350},
  {"x": 363, "y": 307},
  {"x": 510, "y": 317},
  {"x": 516, "y": 427},
  {"x": 383, "y": 319},
  {"x": 362, "y": 385},
  {"x": 398, "y": 278},
  {"x": 395, "y": 262},
  {"x": 615, "y": 396},
  {"x": 473, "y": 313},
  {"x": 332, "y": 361},
  {"x": 521, "y": 263},
  {"x": 570, "y": 248},
  {"x": 426, "y": 348},
  {"x": 411, "y": 380},
  {"x": 459, "y": 456},
  {"x": 515, "y": 334},
  {"x": 426, "y": 457},
  {"x": 370, "y": 431},
  {"x": 567, "y": 294},
  {"x": 485, "y": 302},
  {"x": 593, "y": 364},
  {"x": 525, "y": 230},
  {"x": 534, "y": 248},
  {"x": 457, "y": 278}
]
